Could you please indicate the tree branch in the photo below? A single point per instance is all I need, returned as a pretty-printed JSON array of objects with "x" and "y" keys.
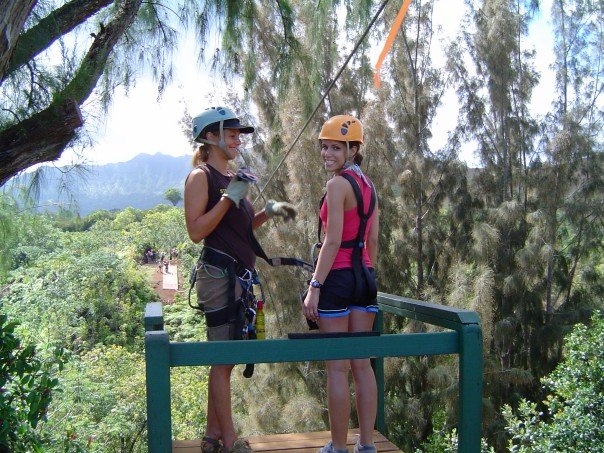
[
  {"x": 58, "y": 23},
  {"x": 44, "y": 136},
  {"x": 14, "y": 14},
  {"x": 87, "y": 76},
  {"x": 40, "y": 138}
]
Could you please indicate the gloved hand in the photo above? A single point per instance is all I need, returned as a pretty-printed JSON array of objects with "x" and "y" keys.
[
  {"x": 281, "y": 209},
  {"x": 236, "y": 190}
]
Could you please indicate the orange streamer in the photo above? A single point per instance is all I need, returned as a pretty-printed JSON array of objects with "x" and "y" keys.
[{"x": 388, "y": 44}]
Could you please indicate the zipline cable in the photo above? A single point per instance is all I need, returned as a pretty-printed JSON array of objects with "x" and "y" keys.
[{"x": 358, "y": 44}]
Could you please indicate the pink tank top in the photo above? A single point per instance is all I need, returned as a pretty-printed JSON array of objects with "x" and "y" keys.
[{"x": 350, "y": 228}]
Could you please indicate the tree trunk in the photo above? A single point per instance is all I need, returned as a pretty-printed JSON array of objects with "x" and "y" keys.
[
  {"x": 14, "y": 14},
  {"x": 58, "y": 23},
  {"x": 548, "y": 286},
  {"x": 40, "y": 138},
  {"x": 573, "y": 269},
  {"x": 420, "y": 244}
]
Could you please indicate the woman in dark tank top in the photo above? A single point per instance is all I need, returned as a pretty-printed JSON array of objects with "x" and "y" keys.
[
  {"x": 232, "y": 235},
  {"x": 218, "y": 212}
]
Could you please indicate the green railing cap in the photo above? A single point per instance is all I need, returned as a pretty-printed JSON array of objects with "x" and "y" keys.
[{"x": 439, "y": 315}]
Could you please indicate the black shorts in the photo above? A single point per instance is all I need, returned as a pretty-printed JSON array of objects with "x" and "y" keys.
[{"x": 337, "y": 294}]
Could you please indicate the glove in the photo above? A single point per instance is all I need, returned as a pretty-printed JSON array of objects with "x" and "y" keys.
[
  {"x": 236, "y": 190},
  {"x": 280, "y": 208}
]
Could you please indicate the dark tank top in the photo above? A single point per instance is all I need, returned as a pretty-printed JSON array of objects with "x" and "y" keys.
[{"x": 232, "y": 234}]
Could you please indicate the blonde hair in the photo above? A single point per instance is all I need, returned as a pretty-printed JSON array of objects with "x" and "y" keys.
[{"x": 201, "y": 155}]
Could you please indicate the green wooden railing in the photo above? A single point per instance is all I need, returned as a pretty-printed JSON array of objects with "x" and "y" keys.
[{"x": 464, "y": 339}]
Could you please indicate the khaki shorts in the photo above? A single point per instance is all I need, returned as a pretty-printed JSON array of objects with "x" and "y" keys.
[{"x": 212, "y": 287}]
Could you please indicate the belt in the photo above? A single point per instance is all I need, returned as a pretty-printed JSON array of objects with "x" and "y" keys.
[{"x": 223, "y": 261}]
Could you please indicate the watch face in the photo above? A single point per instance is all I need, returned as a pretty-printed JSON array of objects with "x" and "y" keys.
[{"x": 315, "y": 284}]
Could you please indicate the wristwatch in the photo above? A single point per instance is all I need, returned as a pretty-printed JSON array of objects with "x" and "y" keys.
[{"x": 315, "y": 283}]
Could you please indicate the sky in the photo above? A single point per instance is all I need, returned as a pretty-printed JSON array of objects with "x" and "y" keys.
[{"x": 137, "y": 122}]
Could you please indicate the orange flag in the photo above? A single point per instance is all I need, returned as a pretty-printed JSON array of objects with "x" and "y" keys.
[{"x": 388, "y": 44}]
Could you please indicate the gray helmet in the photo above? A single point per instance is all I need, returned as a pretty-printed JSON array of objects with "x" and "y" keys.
[{"x": 215, "y": 119}]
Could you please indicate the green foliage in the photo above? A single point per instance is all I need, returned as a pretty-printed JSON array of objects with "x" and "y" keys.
[
  {"x": 444, "y": 440},
  {"x": 182, "y": 322},
  {"x": 173, "y": 196},
  {"x": 79, "y": 287},
  {"x": 102, "y": 406},
  {"x": 8, "y": 233},
  {"x": 519, "y": 240},
  {"x": 161, "y": 229},
  {"x": 27, "y": 387},
  {"x": 573, "y": 420},
  {"x": 80, "y": 296},
  {"x": 189, "y": 387}
]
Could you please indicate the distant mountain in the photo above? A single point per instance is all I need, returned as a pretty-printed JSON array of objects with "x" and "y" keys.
[{"x": 139, "y": 183}]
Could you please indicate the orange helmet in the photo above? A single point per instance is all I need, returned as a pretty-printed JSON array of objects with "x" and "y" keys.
[{"x": 343, "y": 128}]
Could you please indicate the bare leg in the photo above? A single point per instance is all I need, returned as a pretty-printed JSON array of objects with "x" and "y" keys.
[
  {"x": 220, "y": 419},
  {"x": 364, "y": 380},
  {"x": 338, "y": 393},
  {"x": 212, "y": 426}
]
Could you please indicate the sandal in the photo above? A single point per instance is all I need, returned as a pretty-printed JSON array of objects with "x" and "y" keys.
[
  {"x": 210, "y": 445},
  {"x": 240, "y": 446}
]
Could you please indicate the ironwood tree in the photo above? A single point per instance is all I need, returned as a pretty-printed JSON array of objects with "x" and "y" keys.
[{"x": 45, "y": 78}]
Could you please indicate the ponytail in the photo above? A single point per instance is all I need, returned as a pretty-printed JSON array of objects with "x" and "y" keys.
[
  {"x": 201, "y": 155},
  {"x": 358, "y": 157}
]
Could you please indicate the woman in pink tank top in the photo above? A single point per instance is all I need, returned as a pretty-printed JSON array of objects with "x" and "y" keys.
[{"x": 334, "y": 299}]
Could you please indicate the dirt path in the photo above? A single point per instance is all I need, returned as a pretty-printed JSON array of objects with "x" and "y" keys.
[{"x": 156, "y": 280}]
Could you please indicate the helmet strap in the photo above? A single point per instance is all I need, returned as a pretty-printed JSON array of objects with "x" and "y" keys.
[
  {"x": 221, "y": 142},
  {"x": 346, "y": 162}
]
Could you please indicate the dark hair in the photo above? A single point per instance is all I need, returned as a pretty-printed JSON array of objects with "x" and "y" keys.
[{"x": 358, "y": 157}]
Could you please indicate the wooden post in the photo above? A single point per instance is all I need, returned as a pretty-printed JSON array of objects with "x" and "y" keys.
[
  {"x": 380, "y": 421},
  {"x": 470, "y": 388},
  {"x": 154, "y": 318},
  {"x": 157, "y": 367}
]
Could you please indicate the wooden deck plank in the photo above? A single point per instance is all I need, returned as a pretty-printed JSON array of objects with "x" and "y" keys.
[{"x": 292, "y": 442}]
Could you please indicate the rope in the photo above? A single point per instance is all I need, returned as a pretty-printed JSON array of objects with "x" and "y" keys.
[{"x": 358, "y": 44}]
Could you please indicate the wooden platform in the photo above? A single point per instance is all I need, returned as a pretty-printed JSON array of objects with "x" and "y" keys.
[{"x": 296, "y": 442}]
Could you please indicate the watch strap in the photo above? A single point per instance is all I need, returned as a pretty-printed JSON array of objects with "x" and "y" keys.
[{"x": 315, "y": 283}]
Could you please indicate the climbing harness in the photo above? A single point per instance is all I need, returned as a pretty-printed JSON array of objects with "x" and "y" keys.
[
  {"x": 240, "y": 312},
  {"x": 247, "y": 175},
  {"x": 362, "y": 275}
]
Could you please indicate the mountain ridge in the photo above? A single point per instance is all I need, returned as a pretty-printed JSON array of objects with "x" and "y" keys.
[{"x": 139, "y": 183}]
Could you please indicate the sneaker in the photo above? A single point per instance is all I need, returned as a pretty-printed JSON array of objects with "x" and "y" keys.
[
  {"x": 209, "y": 445},
  {"x": 328, "y": 448},
  {"x": 358, "y": 448},
  {"x": 240, "y": 446}
]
